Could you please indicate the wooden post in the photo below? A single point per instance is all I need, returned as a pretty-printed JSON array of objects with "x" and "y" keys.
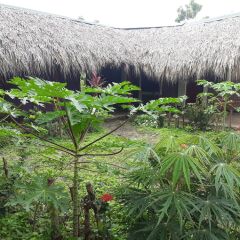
[
  {"x": 160, "y": 88},
  {"x": 205, "y": 99},
  {"x": 182, "y": 88},
  {"x": 140, "y": 86},
  {"x": 124, "y": 75}
]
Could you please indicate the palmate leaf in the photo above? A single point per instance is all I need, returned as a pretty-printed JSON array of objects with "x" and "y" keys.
[
  {"x": 231, "y": 141},
  {"x": 79, "y": 121},
  {"x": 135, "y": 200},
  {"x": 218, "y": 210},
  {"x": 204, "y": 83},
  {"x": 167, "y": 144},
  {"x": 107, "y": 100},
  {"x": 209, "y": 146},
  {"x": 149, "y": 231},
  {"x": 225, "y": 173},
  {"x": 160, "y": 105},
  {"x": 198, "y": 152},
  {"x": 181, "y": 164},
  {"x": 37, "y": 91},
  {"x": 144, "y": 176},
  {"x": 170, "y": 204},
  {"x": 38, "y": 190},
  {"x": 166, "y": 205},
  {"x": 123, "y": 88},
  {"x": 49, "y": 116},
  {"x": 215, "y": 233}
]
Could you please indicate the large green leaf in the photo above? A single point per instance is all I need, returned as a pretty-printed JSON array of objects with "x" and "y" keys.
[
  {"x": 37, "y": 90},
  {"x": 49, "y": 116},
  {"x": 181, "y": 164}
]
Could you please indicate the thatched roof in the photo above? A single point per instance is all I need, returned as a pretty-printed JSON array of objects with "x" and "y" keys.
[
  {"x": 206, "y": 49},
  {"x": 35, "y": 43}
]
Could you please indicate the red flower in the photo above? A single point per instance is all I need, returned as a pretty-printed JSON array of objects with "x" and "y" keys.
[{"x": 106, "y": 197}]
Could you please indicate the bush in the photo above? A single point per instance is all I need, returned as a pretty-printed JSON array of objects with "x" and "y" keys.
[
  {"x": 146, "y": 121},
  {"x": 201, "y": 116},
  {"x": 185, "y": 188}
]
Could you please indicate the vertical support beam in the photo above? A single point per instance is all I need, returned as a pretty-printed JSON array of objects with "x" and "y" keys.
[
  {"x": 123, "y": 73},
  {"x": 140, "y": 86},
  {"x": 205, "y": 99},
  {"x": 229, "y": 75},
  {"x": 160, "y": 88},
  {"x": 182, "y": 88}
]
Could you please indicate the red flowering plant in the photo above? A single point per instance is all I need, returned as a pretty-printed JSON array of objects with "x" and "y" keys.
[
  {"x": 106, "y": 197},
  {"x": 104, "y": 220},
  {"x": 96, "y": 81},
  {"x": 103, "y": 203}
]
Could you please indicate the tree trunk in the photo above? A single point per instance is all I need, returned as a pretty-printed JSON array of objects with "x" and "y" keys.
[
  {"x": 224, "y": 113},
  {"x": 54, "y": 216},
  {"x": 55, "y": 226}
]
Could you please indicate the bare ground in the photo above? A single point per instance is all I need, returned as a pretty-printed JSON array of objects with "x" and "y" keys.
[{"x": 128, "y": 130}]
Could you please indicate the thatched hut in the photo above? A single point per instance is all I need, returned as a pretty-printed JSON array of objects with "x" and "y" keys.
[
  {"x": 59, "y": 48},
  {"x": 207, "y": 49},
  {"x": 39, "y": 44}
]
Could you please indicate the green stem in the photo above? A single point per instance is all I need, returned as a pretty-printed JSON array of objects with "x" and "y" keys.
[
  {"x": 224, "y": 113},
  {"x": 75, "y": 199}
]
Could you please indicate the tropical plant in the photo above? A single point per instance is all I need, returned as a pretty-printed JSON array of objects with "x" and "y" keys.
[
  {"x": 202, "y": 115},
  {"x": 222, "y": 94},
  {"x": 77, "y": 112},
  {"x": 186, "y": 187},
  {"x": 159, "y": 108}
]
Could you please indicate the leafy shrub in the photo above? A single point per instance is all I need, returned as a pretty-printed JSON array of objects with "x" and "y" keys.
[
  {"x": 200, "y": 116},
  {"x": 146, "y": 121},
  {"x": 185, "y": 188}
]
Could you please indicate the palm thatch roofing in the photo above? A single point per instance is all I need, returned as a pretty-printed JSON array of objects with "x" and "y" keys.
[
  {"x": 35, "y": 43},
  {"x": 205, "y": 49}
]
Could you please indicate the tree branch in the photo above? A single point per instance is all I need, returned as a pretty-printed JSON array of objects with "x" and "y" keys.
[
  {"x": 88, "y": 170},
  {"x": 58, "y": 149},
  {"x": 100, "y": 154},
  {"x": 70, "y": 128},
  {"x": 105, "y": 135},
  {"x": 43, "y": 139},
  {"x": 93, "y": 162}
]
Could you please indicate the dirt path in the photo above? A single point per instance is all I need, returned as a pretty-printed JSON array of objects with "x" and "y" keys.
[{"x": 130, "y": 131}]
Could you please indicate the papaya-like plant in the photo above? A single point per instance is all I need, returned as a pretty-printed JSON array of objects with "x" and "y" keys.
[
  {"x": 33, "y": 102},
  {"x": 159, "y": 108},
  {"x": 222, "y": 94}
]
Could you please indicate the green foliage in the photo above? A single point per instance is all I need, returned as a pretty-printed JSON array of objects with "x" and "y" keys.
[
  {"x": 192, "y": 192},
  {"x": 220, "y": 100},
  {"x": 201, "y": 115},
  {"x": 39, "y": 190},
  {"x": 158, "y": 109},
  {"x": 76, "y": 113},
  {"x": 17, "y": 226},
  {"x": 146, "y": 121},
  {"x": 190, "y": 11}
]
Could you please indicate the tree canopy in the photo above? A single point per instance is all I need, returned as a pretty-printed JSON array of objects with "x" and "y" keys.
[{"x": 189, "y": 11}]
